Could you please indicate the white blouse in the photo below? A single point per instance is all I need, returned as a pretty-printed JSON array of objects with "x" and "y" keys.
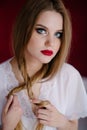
[{"x": 65, "y": 91}]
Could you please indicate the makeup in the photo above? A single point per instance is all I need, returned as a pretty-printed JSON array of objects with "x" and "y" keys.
[{"x": 47, "y": 52}]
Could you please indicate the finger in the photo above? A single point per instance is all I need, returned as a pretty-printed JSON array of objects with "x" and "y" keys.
[
  {"x": 44, "y": 122},
  {"x": 15, "y": 100},
  {"x": 44, "y": 112},
  {"x": 36, "y": 101},
  {"x": 15, "y": 103},
  {"x": 42, "y": 117},
  {"x": 8, "y": 104},
  {"x": 50, "y": 107}
]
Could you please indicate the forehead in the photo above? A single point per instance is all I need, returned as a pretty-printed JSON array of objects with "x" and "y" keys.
[{"x": 50, "y": 19}]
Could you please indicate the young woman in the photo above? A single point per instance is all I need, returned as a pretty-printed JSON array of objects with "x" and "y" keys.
[{"x": 38, "y": 90}]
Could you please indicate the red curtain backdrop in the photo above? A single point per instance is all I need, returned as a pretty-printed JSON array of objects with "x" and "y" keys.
[{"x": 78, "y": 56}]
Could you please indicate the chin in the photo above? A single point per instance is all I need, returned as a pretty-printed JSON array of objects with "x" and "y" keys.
[{"x": 46, "y": 62}]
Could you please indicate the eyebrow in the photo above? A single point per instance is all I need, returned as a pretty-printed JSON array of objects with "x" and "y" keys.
[{"x": 40, "y": 25}]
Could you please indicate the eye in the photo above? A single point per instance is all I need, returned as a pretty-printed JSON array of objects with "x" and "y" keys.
[
  {"x": 58, "y": 34},
  {"x": 41, "y": 31}
]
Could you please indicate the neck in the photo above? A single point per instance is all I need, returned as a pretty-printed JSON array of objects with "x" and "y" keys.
[
  {"x": 33, "y": 65},
  {"x": 32, "y": 68}
]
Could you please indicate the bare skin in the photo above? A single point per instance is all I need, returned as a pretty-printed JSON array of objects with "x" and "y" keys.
[
  {"x": 48, "y": 38},
  {"x": 52, "y": 117},
  {"x": 11, "y": 114}
]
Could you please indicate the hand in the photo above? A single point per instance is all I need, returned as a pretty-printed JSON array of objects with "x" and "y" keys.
[
  {"x": 50, "y": 116},
  {"x": 11, "y": 114}
]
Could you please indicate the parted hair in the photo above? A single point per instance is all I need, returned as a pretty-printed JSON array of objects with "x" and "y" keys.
[{"x": 22, "y": 33}]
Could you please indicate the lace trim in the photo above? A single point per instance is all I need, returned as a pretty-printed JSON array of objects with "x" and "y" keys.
[
  {"x": 24, "y": 100},
  {"x": 10, "y": 76},
  {"x": 45, "y": 90},
  {"x": 78, "y": 115}
]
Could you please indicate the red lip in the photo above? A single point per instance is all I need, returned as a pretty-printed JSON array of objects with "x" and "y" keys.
[{"x": 47, "y": 52}]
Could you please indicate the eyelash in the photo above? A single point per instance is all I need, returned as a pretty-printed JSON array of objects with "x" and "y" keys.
[
  {"x": 43, "y": 31},
  {"x": 59, "y": 35}
]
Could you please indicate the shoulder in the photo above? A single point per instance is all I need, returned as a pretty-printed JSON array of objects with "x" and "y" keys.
[
  {"x": 4, "y": 70},
  {"x": 69, "y": 71},
  {"x": 6, "y": 61},
  {"x": 68, "y": 68},
  {"x": 4, "y": 66},
  {"x": 69, "y": 76}
]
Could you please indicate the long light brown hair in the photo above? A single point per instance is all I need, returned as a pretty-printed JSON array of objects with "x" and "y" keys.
[{"x": 22, "y": 34}]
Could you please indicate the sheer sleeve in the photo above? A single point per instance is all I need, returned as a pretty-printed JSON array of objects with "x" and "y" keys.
[{"x": 76, "y": 105}]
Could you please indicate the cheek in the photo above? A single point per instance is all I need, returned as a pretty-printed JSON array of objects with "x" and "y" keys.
[
  {"x": 35, "y": 41},
  {"x": 57, "y": 47},
  {"x": 31, "y": 44},
  {"x": 34, "y": 46}
]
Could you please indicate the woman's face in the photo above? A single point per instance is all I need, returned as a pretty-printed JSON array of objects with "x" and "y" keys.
[{"x": 45, "y": 41}]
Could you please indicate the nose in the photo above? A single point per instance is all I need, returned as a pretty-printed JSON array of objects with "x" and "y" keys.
[{"x": 50, "y": 41}]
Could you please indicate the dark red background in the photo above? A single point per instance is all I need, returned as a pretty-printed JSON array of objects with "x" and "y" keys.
[{"x": 78, "y": 57}]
